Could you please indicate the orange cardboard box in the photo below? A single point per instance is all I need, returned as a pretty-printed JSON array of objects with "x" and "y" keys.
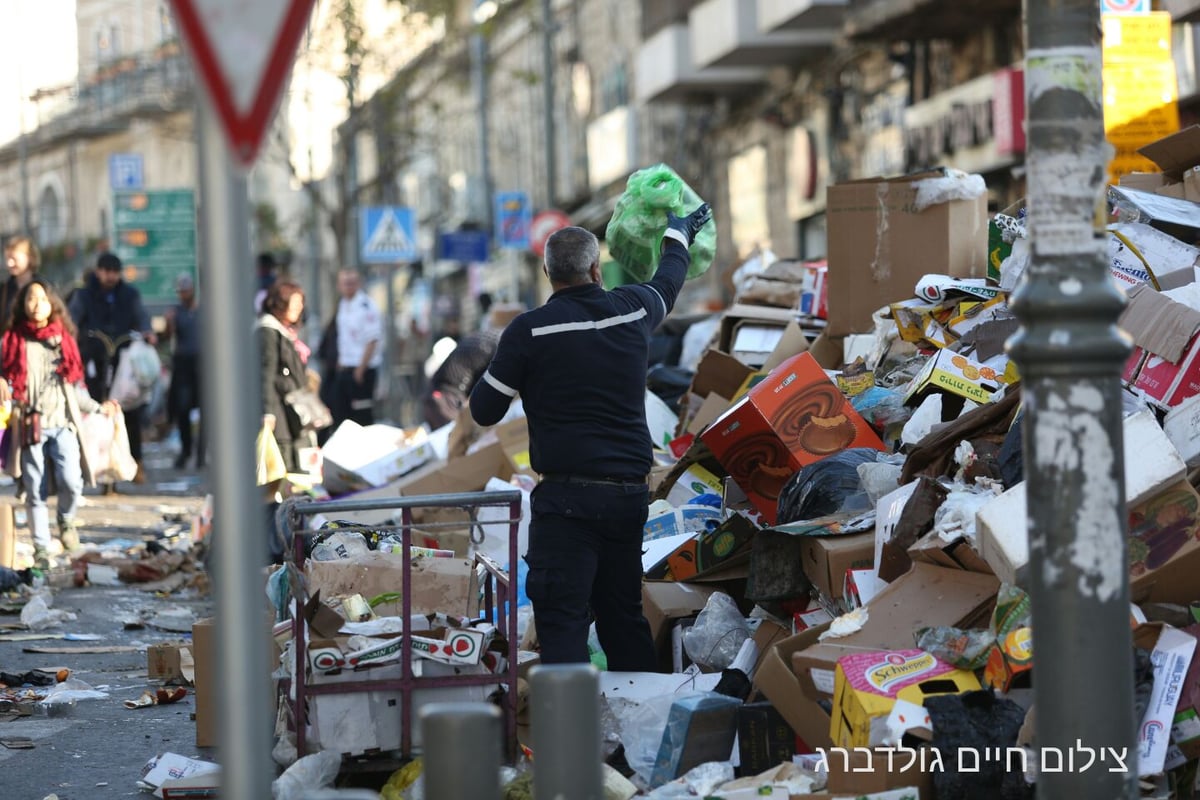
[{"x": 792, "y": 418}]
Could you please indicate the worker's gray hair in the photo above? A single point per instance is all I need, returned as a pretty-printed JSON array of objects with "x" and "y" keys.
[{"x": 570, "y": 253}]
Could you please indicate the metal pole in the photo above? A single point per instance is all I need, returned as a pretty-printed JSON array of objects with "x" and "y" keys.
[
  {"x": 1070, "y": 356},
  {"x": 452, "y": 732},
  {"x": 239, "y": 518},
  {"x": 566, "y": 732},
  {"x": 548, "y": 28},
  {"x": 479, "y": 81}
]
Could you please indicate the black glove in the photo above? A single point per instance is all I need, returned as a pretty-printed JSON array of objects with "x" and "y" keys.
[{"x": 690, "y": 225}]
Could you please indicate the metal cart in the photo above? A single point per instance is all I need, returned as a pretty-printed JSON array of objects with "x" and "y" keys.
[{"x": 498, "y": 593}]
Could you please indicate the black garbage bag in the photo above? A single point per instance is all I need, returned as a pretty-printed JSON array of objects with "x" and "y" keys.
[
  {"x": 669, "y": 383},
  {"x": 1012, "y": 460},
  {"x": 978, "y": 728},
  {"x": 825, "y": 486}
]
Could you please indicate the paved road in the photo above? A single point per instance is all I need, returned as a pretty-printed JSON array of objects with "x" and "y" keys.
[{"x": 97, "y": 748}]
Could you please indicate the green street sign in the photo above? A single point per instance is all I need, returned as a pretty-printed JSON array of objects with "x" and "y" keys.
[{"x": 155, "y": 238}]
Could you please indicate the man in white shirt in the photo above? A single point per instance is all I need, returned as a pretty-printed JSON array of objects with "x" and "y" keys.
[{"x": 359, "y": 332}]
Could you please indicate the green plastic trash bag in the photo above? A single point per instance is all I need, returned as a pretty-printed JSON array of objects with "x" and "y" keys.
[
  {"x": 613, "y": 275},
  {"x": 635, "y": 232}
]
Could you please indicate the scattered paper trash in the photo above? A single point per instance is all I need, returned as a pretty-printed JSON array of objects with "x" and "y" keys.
[{"x": 172, "y": 767}]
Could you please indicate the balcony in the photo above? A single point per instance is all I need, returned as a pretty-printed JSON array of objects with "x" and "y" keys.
[
  {"x": 726, "y": 33},
  {"x": 1183, "y": 10},
  {"x": 776, "y": 14},
  {"x": 666, "y": 70},
  {"x": 894, "y": 20}
]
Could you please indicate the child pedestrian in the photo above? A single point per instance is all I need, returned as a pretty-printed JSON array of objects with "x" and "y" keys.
[{"x": 44, "y": 373}]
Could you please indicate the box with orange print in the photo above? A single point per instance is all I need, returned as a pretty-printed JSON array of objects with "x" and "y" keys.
[
  {"x": 792, "y": 418},
  {"x": 951, "y": 372}
]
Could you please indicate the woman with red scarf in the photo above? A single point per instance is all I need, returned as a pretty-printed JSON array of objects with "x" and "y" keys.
[{"x": 44, "y": 371}]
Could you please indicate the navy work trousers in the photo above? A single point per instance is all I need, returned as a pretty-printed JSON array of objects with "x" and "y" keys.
[{"x": 585, "y": 552}]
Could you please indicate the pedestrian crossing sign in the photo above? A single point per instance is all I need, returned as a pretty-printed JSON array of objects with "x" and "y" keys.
[{"x": 387, "y": 234}]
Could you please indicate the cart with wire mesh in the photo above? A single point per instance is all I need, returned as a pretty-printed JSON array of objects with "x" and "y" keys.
[{"x": 497, "y": 607}]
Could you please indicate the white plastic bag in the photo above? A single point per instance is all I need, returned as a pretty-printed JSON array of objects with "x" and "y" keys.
[
  {"x": 138, "y": 370},
  {"x": 107, "y": 445},
  {"x": 718, "y": 634},
  {"x": 316, "y": 771},
  {"x": 37, "y": 613},
  {"x": 70, "y": 692}
]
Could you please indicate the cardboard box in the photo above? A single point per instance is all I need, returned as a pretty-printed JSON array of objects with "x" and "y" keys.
[
  {"x": 664, "y": 602},
  {"x": 958, "y": 554},
  {"x": 357, "y": 457},
  {"x": 171, "y": 663},
  {"x": 826, "y": 558},
  {"x": 740, "y": 316},
  {"x": 1175, "y": 153},
  {"x": 1182, "y": 427},
  {"x": 927, "y": 596},
  {"x": 8, "y": 536},
  {"x": 880, "y": 245},
  {"x": 1172, "y": 652},
  {"x": 1134, "y": 246},
  {"x": 470, "y": 473},
  {"x": 947, "y": 371},
  {"x": 793, "y": 418},
  {"x": 1186, "y": 729},
  {"x": 1164, "y": 547},
  {"x": 700, "y": 728},
  {"x": 775, "y": 679},
  {"x": 764, "y": 738},
  {"x": 448, "y": 585},
  {"x": 362, "y": 722},
  {"x": 864, "y": 773},
  {"x": 867, "y": 686},
  {"x": 709, "y": 551},
  {"x": 204, "y": 651},
  {"x": 1009, "y": 659},
  {"x": 718, "y": 373}
]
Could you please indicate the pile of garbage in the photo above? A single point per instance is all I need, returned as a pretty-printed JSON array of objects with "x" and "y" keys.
[{"x": 836, "y": 554}]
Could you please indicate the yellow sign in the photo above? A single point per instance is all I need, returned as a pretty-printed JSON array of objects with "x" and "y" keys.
[{"x": 1140, "y": 88}]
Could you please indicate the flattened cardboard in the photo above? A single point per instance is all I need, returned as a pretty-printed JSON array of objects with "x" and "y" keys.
[
  {"x": 740, "y": 313},
  {"x": 793, "y": 342},
  {"x": 719, "y": 373},
  {"x": 880, "y": 246},
  {"x": 779, "y": 684},
  {"x": 1174, "y": 153},
  {"x": 1159, "y": 324},
  {"x": 448, "y": 585},
  {"x": 927, "y": 596}
]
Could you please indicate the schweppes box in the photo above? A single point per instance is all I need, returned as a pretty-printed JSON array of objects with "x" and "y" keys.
[{"x": 867, "y": 685}]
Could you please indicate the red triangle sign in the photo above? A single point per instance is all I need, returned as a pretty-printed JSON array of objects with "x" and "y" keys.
[{"x": 243, "y": 50}]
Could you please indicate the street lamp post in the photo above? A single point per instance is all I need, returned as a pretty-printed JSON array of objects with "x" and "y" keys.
[{"x": 1070, "y": 355}]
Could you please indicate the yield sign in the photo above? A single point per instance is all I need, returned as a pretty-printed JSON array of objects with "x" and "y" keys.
[{"x": 243, "y": 50}]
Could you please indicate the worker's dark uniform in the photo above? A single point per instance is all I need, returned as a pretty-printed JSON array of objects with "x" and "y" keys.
[{"x": 579, "y": 364}]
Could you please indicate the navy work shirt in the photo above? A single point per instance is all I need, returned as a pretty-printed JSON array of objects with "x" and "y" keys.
[{"x": 579, "y": 364}]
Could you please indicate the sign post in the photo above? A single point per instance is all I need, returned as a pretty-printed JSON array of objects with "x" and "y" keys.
[
  {"x": 243, "y": 53},
  {"x": 155, "y": 238},
  {"x": 513, "y": 219}
]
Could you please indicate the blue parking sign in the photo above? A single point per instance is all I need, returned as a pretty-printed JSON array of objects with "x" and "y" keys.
[
  {"x": 513, "y": 217},
  {"x": 125, "y": 171}
]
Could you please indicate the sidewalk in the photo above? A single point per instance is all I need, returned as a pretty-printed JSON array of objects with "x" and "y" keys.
[{"x": 97, "y": 748}]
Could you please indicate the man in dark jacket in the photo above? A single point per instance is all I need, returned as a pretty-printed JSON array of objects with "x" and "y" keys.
[
  {"x": 108, "y": 312},
  {"x": 579, "y": 365}
]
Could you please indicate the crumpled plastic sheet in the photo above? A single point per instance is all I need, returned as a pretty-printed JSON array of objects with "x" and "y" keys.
[
  {"x": 697, "y": 782},
  {"x": 71, "y": 691},
  {"x": 955, "y": 185},
  {"x": 928, "y": 414},
  {"x": 718, "y": 634},
  {"x": 955, "y": 517},
  {"x": 316, "y": 771},
  {"x": 641, "y": 728},
  {"x": 38, "y": 615}
]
